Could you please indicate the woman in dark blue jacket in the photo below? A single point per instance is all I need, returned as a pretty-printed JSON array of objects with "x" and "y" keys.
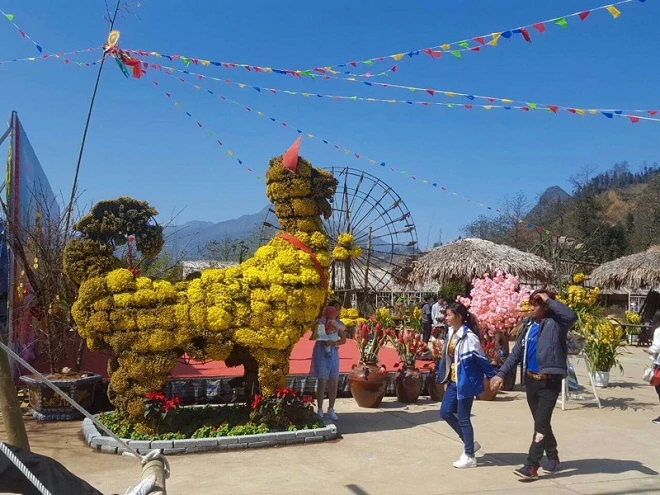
[{"x": 542, "y": 347}]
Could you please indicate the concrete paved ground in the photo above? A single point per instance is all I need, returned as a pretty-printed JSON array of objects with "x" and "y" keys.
[{"x": 405, "y": 449}]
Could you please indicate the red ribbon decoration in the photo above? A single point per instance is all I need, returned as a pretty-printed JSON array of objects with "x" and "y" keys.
[
  {"x": 125, "y": 59},
  {"x": 298, "y": 244}
]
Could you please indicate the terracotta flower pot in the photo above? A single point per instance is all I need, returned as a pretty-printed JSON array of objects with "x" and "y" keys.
[
  {"x": 368, "y": 383},
  {"x": 408, "y": 385},
  {"x": 487, "y": 394},
  {"x": 436, "y": 390}
]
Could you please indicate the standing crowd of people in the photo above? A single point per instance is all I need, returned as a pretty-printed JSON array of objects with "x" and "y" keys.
[{"x": 541, "y": 348}]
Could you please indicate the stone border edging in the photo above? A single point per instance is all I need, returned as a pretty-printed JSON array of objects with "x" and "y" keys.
[{"x": 109, "y": 445}]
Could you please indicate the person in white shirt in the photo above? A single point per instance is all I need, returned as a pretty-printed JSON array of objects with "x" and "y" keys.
[{"x": 654, "y": 350}]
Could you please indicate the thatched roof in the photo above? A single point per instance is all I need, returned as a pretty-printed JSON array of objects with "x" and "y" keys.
[
  {"x": 640, "y": 270},
  {"x": 469, "y": 258}
]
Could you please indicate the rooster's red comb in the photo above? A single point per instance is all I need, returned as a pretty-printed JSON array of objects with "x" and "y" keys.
[{"x": 290, "y": 158}]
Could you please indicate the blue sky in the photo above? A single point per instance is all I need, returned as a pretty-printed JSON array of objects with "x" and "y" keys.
[{"x": 140, "y": 145}]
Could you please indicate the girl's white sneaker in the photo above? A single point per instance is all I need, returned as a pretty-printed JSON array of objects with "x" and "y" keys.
[{"x": 465, "y": 462}]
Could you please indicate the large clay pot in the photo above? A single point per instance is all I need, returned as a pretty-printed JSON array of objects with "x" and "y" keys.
[
  {"x": 368, "y": 383},
  {"x": 487, "y": 394},
  {"x": 408, "y": 385},
  {"x": 436, "y": 390},
  {"x": 48, "y": 406}
]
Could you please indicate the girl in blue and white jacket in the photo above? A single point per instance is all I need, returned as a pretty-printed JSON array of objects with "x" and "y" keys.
[{"x": 462, "y": 370}]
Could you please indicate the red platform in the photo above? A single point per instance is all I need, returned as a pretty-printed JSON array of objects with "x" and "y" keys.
[{"x": 299, "y": 364}]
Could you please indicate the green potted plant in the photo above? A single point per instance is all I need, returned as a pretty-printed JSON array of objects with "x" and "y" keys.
[
  {"x": 603, "y": 345},
  {"x": 600, "y": 338}
]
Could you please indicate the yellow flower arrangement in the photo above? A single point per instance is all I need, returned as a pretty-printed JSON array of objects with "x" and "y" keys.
[
  {"x": 345, "y": 239},
  {"x": 264, "y": 305},
  {"x": 346, "y": 248},
  {"x": 603, "y": 335},
  {"x": 633, "y": 318},
  {"x": 349, "y": 317},
  {"x": 340, "y": 253},
  {"x": 355, "y": 251},
  {"x": 577, "y": 297},
  {"x": 383, "y": 316},
  {"x": 120, "y": 280},
  {"x": 604, "y": 340}
]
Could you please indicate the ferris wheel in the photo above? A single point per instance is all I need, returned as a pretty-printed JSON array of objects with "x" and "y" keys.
[{"x": 381, "y": 227}]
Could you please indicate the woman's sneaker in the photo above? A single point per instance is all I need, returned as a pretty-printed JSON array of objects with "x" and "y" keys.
[
  {"x": 465, "y": 462},
  {"x": 656, "y": 421},
  {"x": 528, "y": 472},
  {"x": 553, "y": 466},
  {"x": 332, "y": 415}
]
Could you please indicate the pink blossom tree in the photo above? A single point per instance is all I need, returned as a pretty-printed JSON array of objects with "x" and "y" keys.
[{"x": 496, "y": 303}]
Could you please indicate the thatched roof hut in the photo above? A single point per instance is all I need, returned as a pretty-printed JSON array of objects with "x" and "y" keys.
[
  {"x": 466, "y": 259},
  {"x": 640, "y": 270}
]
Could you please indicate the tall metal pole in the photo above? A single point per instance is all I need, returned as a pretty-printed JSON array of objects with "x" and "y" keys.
[{"x": 84, "y": 136}]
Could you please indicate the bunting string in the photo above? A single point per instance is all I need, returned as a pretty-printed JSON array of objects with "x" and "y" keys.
[
  {"x": 229, "y": 152},
  {"x": 10, "y": 18},
  {"x": 474, "y": 44},
  {"x": 61, "y": 55},
  {"x": 503, "y": 103},
  {"x": 437, "y": 186}
]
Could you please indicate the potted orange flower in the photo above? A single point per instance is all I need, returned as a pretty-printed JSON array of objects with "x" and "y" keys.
[
  {"x": 367, "y": 380},
  {"x": 410, "y": 347}
]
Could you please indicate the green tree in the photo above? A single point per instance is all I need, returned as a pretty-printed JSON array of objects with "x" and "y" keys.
[
  {"x": 228, "y": 248},
  {"x": 647, "y": 209},
  {"x": 163, "y": 267}
]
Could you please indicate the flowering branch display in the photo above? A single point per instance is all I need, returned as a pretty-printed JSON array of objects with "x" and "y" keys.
[
  {"x": 370, "y": 345},
  {"x": 602, "y": 335},
  {"x": 494, "y": 352},
  {"x": 437, "y": 345},
  {"x": 497, "y": 302},
  {"x": 409, "y": 345},
  {"x": 604, "y": 342},
  {"x": 383, "y": 316},
  {"x": 407, "y": 314}
]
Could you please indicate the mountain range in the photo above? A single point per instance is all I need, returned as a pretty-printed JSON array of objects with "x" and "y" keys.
[{"x": 188, "y": 240}]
